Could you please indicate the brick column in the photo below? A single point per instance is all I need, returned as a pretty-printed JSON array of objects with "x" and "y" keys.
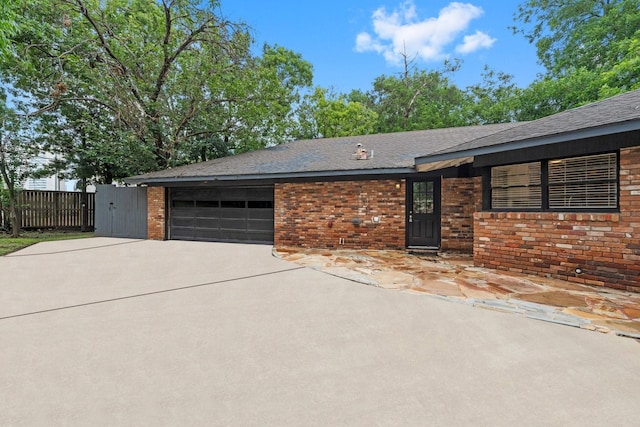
[
  {"x": 461, "y": 197},
  {"x": 156, "y": 213}
]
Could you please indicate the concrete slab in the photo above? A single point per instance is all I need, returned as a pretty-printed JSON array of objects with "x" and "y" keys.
[
  {"x": 265, "y": 342},
  {"x": 63, "y": 273}
]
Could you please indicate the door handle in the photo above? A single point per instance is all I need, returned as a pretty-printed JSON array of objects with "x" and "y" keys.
[{"x": 410, "y": 218}]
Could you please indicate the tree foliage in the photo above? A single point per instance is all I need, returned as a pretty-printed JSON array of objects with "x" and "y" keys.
[
  {"x": 17, "y": 154},
  {"x": 624, "y": 75},
  {"x": 578, "y": 34},
  {"x": 590, "y": 49},
  {"x": 547, "y": 96},
  {"x": 417, "y": 99},
  {"x": 326, "y": 114},
  {"x": 8, "y": 25},
  {"x": 92, "y": 149},
  {"x": 494, "y": 100},
  {"x": 170, "y": 82}
]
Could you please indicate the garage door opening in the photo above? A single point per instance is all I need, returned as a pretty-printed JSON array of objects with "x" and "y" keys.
[{"x": 222, "y": 215}]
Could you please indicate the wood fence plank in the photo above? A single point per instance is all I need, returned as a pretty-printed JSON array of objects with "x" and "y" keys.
[{"x": 54, "y": 209}]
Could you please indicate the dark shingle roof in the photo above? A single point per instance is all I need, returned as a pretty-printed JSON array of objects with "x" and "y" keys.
[
  {"x": 394, "y": 152},
  {"x": 616, "y": 114},
  {"x": 400, "y": 152}
]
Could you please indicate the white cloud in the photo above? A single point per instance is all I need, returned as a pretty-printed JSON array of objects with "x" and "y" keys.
[
  {"x": 403, "y": 31},
  {"x": 364, "y": 43},
  {"x": 474, "y": 42}
]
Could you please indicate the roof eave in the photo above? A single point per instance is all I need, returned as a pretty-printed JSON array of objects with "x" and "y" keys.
[
  {"x": 534, "y": 142},
  {"x": 258, "y": 177}
]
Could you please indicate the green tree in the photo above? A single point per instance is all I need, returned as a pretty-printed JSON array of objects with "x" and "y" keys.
[
  {"x": 547, "y": 96},
  {"x": 578, "y": 34},
  {"x": 8, "y": 25},
  {"x": 625, "y": 74},
  {"x": 590, "y": 49},
  {"x": 90, "y": 147},
  {"x": 417, "y": 100},
  {"x": 171, "y": 79},
  {"x": 269, "y": 90},
  {"x": 495, "y": 100},
  {"x": 17, "y": 153},
  {"x": 327, "y": 115}
]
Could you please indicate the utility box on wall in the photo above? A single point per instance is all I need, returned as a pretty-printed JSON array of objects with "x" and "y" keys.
[{"x": 121, "y": 212}]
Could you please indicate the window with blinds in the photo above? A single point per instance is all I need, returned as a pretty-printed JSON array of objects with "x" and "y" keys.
[
  {"x": 516, "y": 186},
  {"x": 584, "y": 182}
]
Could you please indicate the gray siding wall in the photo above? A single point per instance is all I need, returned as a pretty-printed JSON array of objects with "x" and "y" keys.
[{"x": 121, "y": 212}]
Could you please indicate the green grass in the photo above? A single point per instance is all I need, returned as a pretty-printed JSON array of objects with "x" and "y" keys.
[{"x": 10, "y": 244}]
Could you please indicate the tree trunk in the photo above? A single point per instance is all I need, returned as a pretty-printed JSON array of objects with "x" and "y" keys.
[
  {"x": 13, "y": 210},
  {"x": 13, "y": 213}
]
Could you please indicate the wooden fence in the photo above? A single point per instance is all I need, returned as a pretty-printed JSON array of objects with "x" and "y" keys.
[{"x": 55, "y": 209}]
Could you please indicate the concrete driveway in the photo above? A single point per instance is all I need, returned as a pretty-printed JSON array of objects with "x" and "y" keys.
[{"x": 124, "y": 332}]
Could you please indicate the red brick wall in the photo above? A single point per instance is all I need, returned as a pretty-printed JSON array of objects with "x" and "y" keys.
[
  {"x": 461, "y": 197},
  {"x": 319, "y": 214},
  {"x": 605, "y": 246},
  {"x": 156, "y": 213}
]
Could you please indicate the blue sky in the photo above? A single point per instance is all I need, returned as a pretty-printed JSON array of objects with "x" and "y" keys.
[{"x": 351, "y": 42}]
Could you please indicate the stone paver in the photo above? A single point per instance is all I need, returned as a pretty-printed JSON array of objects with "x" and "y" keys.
[{"x": 456, "y": 279}]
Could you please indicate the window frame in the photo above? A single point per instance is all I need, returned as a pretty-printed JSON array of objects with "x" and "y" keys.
[{"x": 544, "y": 184}]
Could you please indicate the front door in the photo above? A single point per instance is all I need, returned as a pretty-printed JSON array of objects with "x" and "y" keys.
[{"x": 423, "y": 213}]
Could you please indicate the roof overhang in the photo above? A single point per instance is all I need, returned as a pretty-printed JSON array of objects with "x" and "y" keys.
[
  {"x": 532, "y": 142},
  {"x": 443, "y": 164},
  {"x": 264, "y": 177}
]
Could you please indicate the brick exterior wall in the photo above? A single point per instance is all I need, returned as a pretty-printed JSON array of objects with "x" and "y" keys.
[
  {"x": 461, "y": 197},
  {"x": 156, "y": 213},
  {"x": 606, "y": 247},
  {"x": 319, "y": 214}
]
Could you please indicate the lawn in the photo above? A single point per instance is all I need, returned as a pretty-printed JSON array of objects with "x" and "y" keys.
[{"x": 10, "y": 244}]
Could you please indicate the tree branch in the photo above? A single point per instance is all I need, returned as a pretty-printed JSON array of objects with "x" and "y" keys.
[
  {"x": 105, "y": 46},
  {"x": 168, "y": 61}
]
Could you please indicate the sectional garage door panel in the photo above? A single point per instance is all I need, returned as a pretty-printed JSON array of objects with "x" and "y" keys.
[{"x": 223, "y": 215}]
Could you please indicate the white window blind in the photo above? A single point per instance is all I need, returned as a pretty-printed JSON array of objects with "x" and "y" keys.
[
  {"x": 516, "y": 186},
  {"x": 584, "y": 182}
]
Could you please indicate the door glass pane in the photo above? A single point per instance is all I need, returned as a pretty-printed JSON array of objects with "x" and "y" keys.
[{"x": 423, "y": 197}]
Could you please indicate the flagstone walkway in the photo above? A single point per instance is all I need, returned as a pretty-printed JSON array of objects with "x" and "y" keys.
[{"x": 453, "y": 277}]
